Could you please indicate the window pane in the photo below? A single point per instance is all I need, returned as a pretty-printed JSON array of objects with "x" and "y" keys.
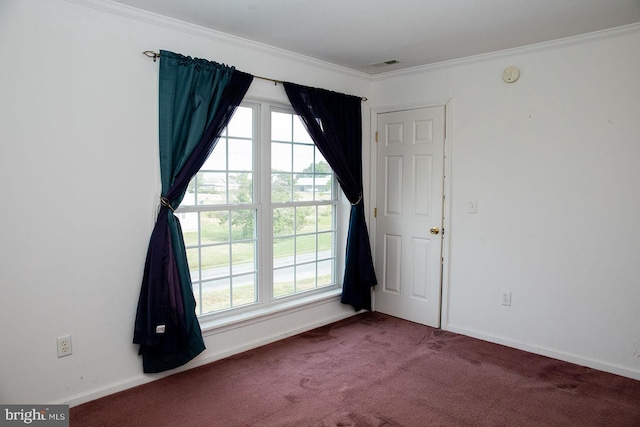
[
  {"x": 302, "y": 187},
  {"x": 320, "y": 159},
  {"x": 310, "y": 218},
  {"x": 189, "y": 198},
  {"x": 325, "y": 273},
  {"x": 303, "y": 158},
  {"x": 305, "y": 218},
  {"x": 216, "y": 295},
  {"x": 240, "y": 155},
  {"x": 283, "y": 252},
  {"x": 305, "y": 277},
  {"x": 214, "y": 261},
  {"x": 280, "y": 126},
  {"x": 241, "y": 124},
  {"x": 240, "y": 188},
  {"x": 281, "y": 157},
  {"x": 214, "y": 227},
  {"x": 300, "y": 133},
  {"x": 325, "y": 245},
  {"x": 281, "y": 187},
  {"x": 217, "y": 160},
  {"x": 283, "y": 221},
  {"x": 243, "y": 257},
  {"x": 243, "y": 224},
  {"x": 323, "y": 187},
  {"x": 283, "y": 282},
  {"x": 211, "y": 188},
  {"x": 189, "y": 225},
  {"x": 244, "y": 290},
  {"x": 193, "y": 259},
  {"x": 305, "y": 248},
  {"x": 197, "y": 295},
  {"x": 325, "y": 218}
]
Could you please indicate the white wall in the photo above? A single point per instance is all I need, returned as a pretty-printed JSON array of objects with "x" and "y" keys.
[
  {"x": 553, "y": 161},
  {"x": 79, "y": 166}
]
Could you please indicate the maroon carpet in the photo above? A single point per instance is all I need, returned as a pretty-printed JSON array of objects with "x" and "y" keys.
[{"x": 375, "y": 370}]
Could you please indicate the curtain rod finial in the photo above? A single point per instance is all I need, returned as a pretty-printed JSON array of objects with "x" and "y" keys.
[{"x": 151, "y": 54}]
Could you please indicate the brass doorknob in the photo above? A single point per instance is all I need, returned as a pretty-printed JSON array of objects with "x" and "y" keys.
[{"x": 434, "y": 230}]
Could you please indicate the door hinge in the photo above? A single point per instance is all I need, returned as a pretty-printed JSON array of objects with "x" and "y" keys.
[
  {"x": 376, "y": 136},
  {"x": 445, "y": 122},
  {"x": 375, "y": 212}
]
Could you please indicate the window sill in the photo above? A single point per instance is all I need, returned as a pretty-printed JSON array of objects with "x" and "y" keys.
[{"x": 216, "y": 325}]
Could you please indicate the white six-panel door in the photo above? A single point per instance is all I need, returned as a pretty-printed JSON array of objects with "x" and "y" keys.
[{"x": 409, "y": 187}]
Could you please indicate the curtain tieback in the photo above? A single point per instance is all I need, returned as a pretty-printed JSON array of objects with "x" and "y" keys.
[
  {"x": 358, "y": 201},
  {"x": 166, "y": 202}
]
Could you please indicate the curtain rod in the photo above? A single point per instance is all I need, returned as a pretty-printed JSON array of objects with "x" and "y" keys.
[{"x": 153, "y": 55}]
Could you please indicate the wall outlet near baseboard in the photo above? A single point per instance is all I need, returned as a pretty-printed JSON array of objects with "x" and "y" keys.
[
  {"x": 505, "y": 298},
  {"x": 64, "y": 346}
]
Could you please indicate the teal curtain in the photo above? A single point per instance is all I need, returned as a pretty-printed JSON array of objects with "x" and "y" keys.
[{"x": 197, "y": 99}]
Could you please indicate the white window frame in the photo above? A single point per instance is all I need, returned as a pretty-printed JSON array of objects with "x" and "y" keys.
[{"x": 266, "y": 304}]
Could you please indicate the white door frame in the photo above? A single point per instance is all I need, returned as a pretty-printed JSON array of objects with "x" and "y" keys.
[{"x": 446, "y": 242}]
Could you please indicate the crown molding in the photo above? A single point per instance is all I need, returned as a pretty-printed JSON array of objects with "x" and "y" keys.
[
  {"x": 129, "y": 12},
  {"x": 536, "y": 47},
  {"x": 126, "y": 11}
]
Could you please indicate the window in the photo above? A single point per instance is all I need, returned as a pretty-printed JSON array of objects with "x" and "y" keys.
[
  {"x": 303, "y": 206},
  {"x": 259, "y": 218}
]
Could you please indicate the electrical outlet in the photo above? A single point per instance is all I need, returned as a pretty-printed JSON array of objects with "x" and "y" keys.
[
  {"x": 64, "y": 346},
  {"x": 505, "y": 298}
]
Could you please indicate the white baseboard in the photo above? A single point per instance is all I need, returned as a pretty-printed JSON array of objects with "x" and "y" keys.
[
  {"x": 245, "y": 346},
  {"x": 210, "y": 356},
  {"x": 567, "y": 357}
]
